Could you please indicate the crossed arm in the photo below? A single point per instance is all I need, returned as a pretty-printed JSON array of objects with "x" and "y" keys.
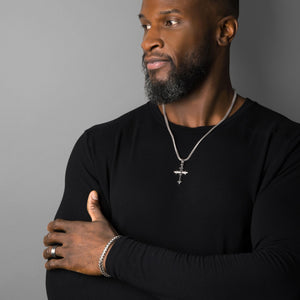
[
  {"x": 80, "y": 243},
  {"x": 270, "y": 271}
]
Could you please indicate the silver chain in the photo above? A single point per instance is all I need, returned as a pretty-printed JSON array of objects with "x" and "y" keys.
[{"x": 182, "y": 160}]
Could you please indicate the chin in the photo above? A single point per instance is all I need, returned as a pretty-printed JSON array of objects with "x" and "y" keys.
[{"x": 163, "y": 78}]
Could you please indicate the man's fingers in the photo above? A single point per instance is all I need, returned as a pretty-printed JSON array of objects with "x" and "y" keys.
[
  {"x": 93, "y": 207},
  {"x": 56, "y": 264},
  {"x": 53, "y": 238},
  {"x": 59, "y": 252},
  {"x": 58, "y": 225}
]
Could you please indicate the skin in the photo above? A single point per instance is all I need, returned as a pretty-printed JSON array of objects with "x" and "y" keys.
[
  {"x": 81, "y": 242},
  {"x": 172, "y": 35},
  {"x": 197, "y": 24}
]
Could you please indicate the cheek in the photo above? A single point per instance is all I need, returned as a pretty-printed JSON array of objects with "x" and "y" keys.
[
  {"x": 183, "y": 41},
  {"x": 178, "y": 46}
]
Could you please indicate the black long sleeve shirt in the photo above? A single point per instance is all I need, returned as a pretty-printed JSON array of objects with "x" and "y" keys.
[{"x": 230, "y": 230}]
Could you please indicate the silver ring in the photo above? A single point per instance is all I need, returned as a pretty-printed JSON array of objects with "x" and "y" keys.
[{"x": 53, "y": 251}]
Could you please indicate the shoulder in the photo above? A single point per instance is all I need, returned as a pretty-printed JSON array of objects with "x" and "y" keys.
[
  {"x": 121, "y": 123},
  {"x": 276, "y": 141},
  {"x": 269, "y": 123},
  {"x": 104, "y": 136},
  {"x": 274, "y": 136}
]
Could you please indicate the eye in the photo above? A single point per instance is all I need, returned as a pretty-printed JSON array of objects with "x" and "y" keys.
[
  {"x": 170, "y": 23},
  {"x": 146, "y": 27}
]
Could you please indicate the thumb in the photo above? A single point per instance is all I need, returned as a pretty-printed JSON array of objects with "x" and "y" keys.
[{"x": 93, "y": 207}]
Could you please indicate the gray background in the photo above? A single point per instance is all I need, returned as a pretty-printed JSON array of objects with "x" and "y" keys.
[{"x": 66, "y": 65}]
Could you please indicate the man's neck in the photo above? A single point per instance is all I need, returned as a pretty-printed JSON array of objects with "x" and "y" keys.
[{"x": 205, "y": 107}]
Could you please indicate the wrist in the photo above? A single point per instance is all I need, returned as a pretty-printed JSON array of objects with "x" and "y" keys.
[{"x": 102, "y": 260}]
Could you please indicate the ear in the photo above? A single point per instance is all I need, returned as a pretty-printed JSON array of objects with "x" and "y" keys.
[{"x": 226, "y": 30}]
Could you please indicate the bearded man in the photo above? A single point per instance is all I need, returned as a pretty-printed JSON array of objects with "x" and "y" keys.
[{"x": 193, "y": 195}]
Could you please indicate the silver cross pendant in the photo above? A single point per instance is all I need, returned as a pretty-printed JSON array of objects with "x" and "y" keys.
[{"x": 180, "y": 172}]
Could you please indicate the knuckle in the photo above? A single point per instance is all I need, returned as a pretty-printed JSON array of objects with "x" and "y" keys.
[
  {"x": 73, "y": 240},
  {"x": 60, "y": 251},
  {"x": 50, "y": 224},
  {"x": 48, "y": 265},
  {"x": 55, "y": 224},
  {"x": 66, "y": 262},
  {"x": 52, "y": 237},
  {"x": 48, "y": 239},
  {"x": 67, "y": 241},
  {"x": 45, "y": 254},
  {"x": 49, "y": 227},
  {"x": 51, "y": 263},
  {"x": 45, "y": 240}
]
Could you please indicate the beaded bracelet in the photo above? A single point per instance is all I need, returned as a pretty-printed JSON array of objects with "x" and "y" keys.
[{"x": 100, "y": 264}]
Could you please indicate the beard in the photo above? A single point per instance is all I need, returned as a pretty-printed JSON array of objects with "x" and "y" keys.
[{"x": 181, "y": 81}]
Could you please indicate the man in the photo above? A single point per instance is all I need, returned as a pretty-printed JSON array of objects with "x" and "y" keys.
[{"x": 199, "y": 185}]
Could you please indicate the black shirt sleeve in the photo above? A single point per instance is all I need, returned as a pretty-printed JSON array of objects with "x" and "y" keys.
[
  {"x": 270, "y": 271},
  {"x": 80, "y": 180}
]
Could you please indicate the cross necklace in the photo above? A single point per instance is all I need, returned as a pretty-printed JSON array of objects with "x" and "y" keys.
[{"x": 181, "y": 170}]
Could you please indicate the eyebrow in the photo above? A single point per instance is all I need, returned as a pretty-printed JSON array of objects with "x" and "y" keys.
[{"x": 165, "y": 12}]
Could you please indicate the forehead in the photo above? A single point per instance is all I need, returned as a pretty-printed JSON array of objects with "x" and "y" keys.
[{"x": 186, "y": 7}]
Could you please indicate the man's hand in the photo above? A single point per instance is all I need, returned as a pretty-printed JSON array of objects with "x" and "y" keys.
[{"x": 80, "y": 243}]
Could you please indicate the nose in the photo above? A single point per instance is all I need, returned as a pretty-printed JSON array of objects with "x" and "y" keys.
[{"x": 152, "y": 40}]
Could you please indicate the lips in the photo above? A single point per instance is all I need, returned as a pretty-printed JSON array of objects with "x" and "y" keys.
[{"x": 156, "y": 63}]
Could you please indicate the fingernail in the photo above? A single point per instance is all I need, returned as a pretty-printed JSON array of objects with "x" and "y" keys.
[{"x": 94, "y": 196}]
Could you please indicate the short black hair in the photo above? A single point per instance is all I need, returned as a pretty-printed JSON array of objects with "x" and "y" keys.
[{"x": 228, "y": 7}]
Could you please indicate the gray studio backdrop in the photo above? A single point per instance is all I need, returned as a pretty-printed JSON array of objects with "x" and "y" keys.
[{"x": 66, "y": 65}]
